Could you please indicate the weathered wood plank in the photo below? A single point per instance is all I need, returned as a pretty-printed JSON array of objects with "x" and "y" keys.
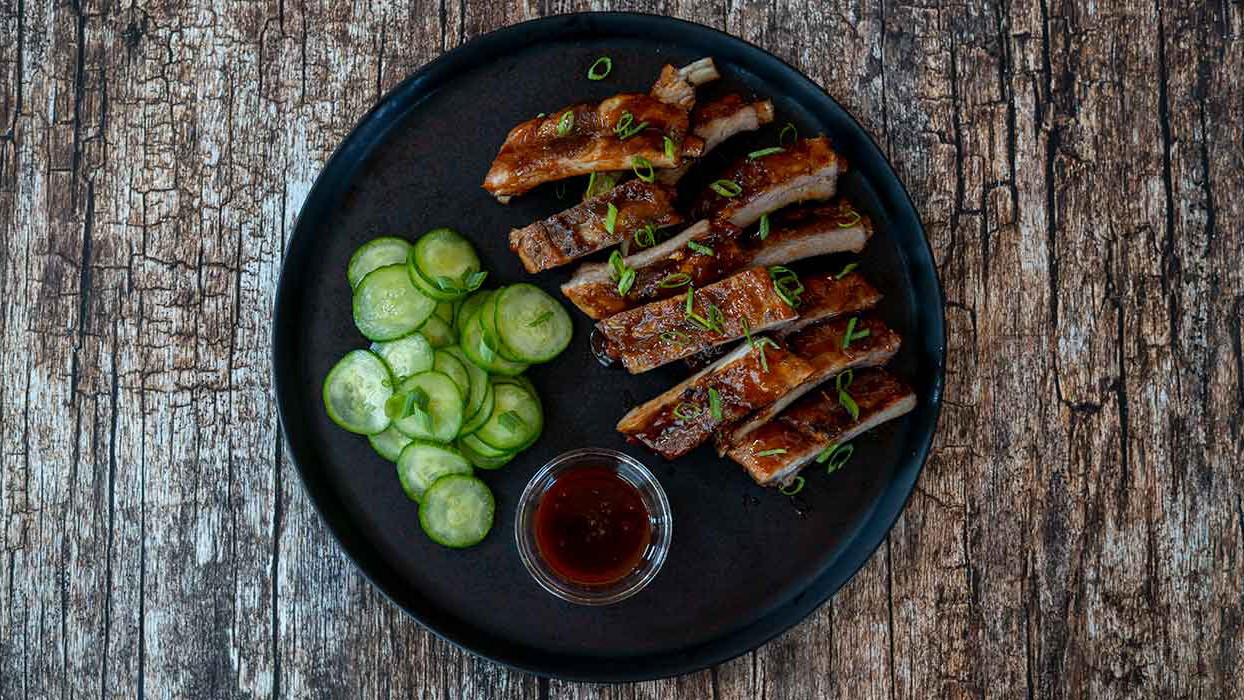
[{"x": 1076, "y": 534}]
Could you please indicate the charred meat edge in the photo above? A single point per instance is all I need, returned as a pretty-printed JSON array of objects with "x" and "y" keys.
[
  {"x": 580, "y": 230},
  {"x": 802, "y": 447},
  {"x": 780, "y": 371},
  {"x": 592, "y": 291},
  {"x": 674, "y": 87},
  {"x": 750, "y": 291},
  {"x": 874, "y": 350},
  {"x": 806, "y": 171}
]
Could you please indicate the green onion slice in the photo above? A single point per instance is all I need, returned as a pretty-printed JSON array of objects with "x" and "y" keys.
[
  {"x": 678, "y": 279},
  {"x": 626, "y": 281},
  {"x": 846, "y": 270},
  {"x": 646, "y": 237},
  {"x": 540, "y": 320},
  {"x": 611, "y": 218},
  {"x": 834, "y": 457},
  {"x": 788, "y": 129},
  {"x": 793, "y": 487},
  {"x": 675, "y": 336},
  {"x": 512, "y": 422},
  {"x": 851, "y": 334},
  {"x": 764, "y": 226},
  {"x": 726, "y": 188},
  {"x": 566, "y": 123},
  {"x": 700, "y": 248},
  {"x": 687, "y": 410},
  {"x": 770, "y": 453},
  {"x": 640, "y": 164},
  {"x": 671, "y": 150},
  {"x": 786, "y": 283},
  {"x": 765, "y": 152},
  {"x": 714, "y": 403},
  {"x": 600, "y": 68}
]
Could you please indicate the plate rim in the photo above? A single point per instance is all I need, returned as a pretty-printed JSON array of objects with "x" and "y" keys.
[{"x": 378, "y": 119}]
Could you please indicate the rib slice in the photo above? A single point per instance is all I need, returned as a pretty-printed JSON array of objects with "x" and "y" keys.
[
  {"x": 583, "y": 229},
  {"x": 829, "y": 296},
  {"x": 795, "y": 234},
  {"x": 818, "y": 421},
  {"x": 717, "y": 121},
  {"x": 806, "y": 171},
  {"x": 743, "y": 383},
  {"x": 654, "y": 334},
  {"x": 541, "y": 150},
  {"x": 821, "y": 345}
]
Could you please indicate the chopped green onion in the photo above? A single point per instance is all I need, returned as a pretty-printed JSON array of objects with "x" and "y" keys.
[
  {"x": 852, "y": 218},
  {"x": 598, "y": 183},
  {"x": 793, "y": 487},
  {"x": 835, "y": 456},
  {"x": 638, "y": 164},
  {"x": 726, "y": 188},
  {"x": 794, "y": 134},
  {"x": 560, "y": 190},
  {"x": 687, "y": 410},
  {"x": 786, "y": 283},
  {"x": 671, "y": 150},
  {"x": 611, "y": 218},
  {"x": 770, "y": 453},
  {"x": 540, "y": 320},
  {"x": 675, "y": 280},
  {"x": 843, "y": 397},
  {"x": 512, "y": 422},
  {"x": 690, "y": 299},
  {"x": 851, "y": 335},
  {"x": 846, "y": 270},
  {"x": 625, "y": 128},
  {"x": 626, "y": 281},
  {"x": 646, "y": 236},
  {"x": 540, "y": 115},
  {"x": 714, "y": 403},
  {"x": 600, "y": 68},
  {"x": 764, "y": 226},
  {"x": 700, "y": 248},
  {"x": 675, "y": 335},
  {"x": 765, "y": 152},
  {"x": 616, "y": 262},
  {"x": 566, "y": 123}
]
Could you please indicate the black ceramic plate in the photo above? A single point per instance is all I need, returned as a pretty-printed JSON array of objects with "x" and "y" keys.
[{"x": 745, "y": 563}]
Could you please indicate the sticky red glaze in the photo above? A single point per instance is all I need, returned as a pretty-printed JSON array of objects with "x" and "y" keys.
[{"x": 592, "y": 527}]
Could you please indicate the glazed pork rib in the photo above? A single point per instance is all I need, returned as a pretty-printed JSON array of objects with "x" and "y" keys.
[
  {"x": 584, "y": 228},
  {"x": 806, "y": 171},
  {"x": 795, "y": 234},
  {"x": 655, "y": 334},
  {"x": 717, "y": 121},
  {"x": 822, "y": 346},
  {"x": 682, "y": 418},
  {"x": 830, "y": 296},
  {"x": 595, "y": 137},
  {"x": 775, "y": 452}
]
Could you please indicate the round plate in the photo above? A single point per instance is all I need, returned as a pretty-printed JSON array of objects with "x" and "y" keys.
[{"x": 746, "y": 563}]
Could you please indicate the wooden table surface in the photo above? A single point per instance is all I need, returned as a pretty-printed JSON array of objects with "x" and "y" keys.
[{"x": 1078, "y": 531}]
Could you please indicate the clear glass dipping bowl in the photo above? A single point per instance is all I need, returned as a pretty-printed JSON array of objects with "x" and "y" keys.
[{"x": 660, "y": 518}]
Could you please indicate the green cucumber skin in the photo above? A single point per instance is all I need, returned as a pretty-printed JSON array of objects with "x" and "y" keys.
[
  {"x": 542, "y": 343},
  {"x": 351, "y": 357},
  {"x": 431, "y": 508},
  {"x": 358, "y": 268}
]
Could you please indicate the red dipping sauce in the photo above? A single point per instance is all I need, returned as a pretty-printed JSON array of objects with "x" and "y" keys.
[{"x": 592, "y": 526}]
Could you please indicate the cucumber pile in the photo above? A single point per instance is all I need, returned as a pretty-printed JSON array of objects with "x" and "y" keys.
[{"x": 440, "y": 392}]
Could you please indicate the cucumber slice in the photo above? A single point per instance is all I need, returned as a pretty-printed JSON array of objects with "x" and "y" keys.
[
  {"x": 355, "y": 392},
  {"x": 531, "y": 325},
  {"x": 422, "y": 463},
  {"x": 445, "y": 311},
  {"x": 516, "y": 417},
  {"x": 473, "y": 443},
  {"x": 445, "y": 265},
  {"x": 483, "y": 412},
  {"x": 479, "y": 388},
  {"x": 387, "y": 305},
  {"x": 469, "y": 306},
  {"x": 457, "y": 511},
  {"x": 438, "y": 333},
  {"x": 471, "y": 339},
  {"x": 389, "y": 444},
  {"x": 452, "y": 367},
  {"x": 440, "y": 419},
  {"x": 406, "y": 356},
  {"x": 375, "y": 254},
  {"x": 487, "y": 319},
  {"x": 481, "y": 459}
]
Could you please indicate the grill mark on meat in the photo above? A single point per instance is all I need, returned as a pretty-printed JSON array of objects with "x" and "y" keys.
[
  {"x": 821, "y": 346},
  {"x": 817, "y": 421},
  {"x": 808, "y": 170},
  {"x": 635, "y": 336},
  {"x": 533, "y": 153},
  {"x": 580, "y": 230},
  {"x": 795, "y": 234},
  {"x": 744, "y": 383}
]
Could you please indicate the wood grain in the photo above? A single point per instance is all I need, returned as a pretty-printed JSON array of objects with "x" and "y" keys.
[{"x": 1078, "y": 532}]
